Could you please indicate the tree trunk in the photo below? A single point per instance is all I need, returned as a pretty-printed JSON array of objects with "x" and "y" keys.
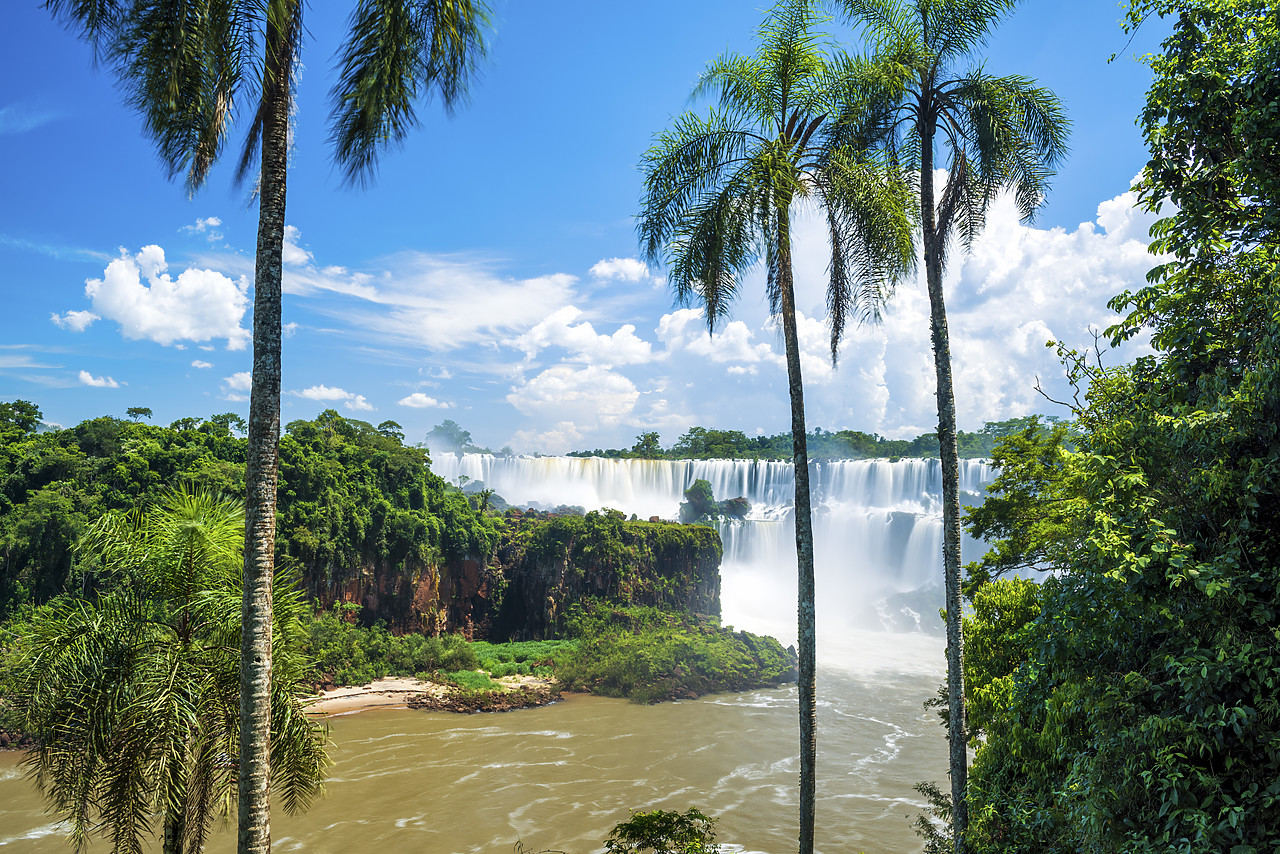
[
  {"x": 174, "y": 828},
  {"x": 959, "y": 758},
  {"x": 804, "y": 543},
  {"x": 264, "y": 445}
]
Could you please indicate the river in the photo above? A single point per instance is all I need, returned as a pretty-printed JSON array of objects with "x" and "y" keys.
[{"x": 560, "y": 777}]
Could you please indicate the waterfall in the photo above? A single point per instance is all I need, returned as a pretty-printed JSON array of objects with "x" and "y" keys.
[{"x": 877, "y": 526}]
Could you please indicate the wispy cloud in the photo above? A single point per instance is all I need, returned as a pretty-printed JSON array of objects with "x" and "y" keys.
[
  {"x": 18, "y": 118},
  {"x": 53, "y": 250}
]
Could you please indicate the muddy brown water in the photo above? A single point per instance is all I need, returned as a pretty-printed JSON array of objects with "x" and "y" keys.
[{"x": 561, "y": 776}]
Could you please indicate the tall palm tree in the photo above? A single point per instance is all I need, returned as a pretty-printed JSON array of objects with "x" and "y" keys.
[
  {"x": 188, "y": 67},
  {"x": 719, "y": 194},
  {"x": 1000, "y": 133},
  {"x": 134, "y": 696}
]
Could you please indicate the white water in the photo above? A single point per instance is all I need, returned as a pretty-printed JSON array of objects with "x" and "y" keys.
[{"x": 877, "y": 528}]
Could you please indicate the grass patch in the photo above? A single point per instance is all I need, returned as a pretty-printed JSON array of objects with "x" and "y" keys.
[{"x": 649, "y": 655}]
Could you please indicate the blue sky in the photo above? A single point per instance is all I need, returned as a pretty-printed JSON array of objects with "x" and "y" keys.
[{"x": 490, "y": 276}]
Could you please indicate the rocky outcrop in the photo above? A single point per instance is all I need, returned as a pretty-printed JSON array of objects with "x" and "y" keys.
[
  {"x": 542, "y": 564},
  {"x": 551, "y": 564}
]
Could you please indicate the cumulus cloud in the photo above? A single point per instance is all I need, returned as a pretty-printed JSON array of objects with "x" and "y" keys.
[
  {"x": 136, "y": 292},
  {"x": 582, "y": 341},
  {"x": 418, "y": 400},
  {"x": 237, "y": 386},
  {"x": 685, "y": 330},
  {"x": 323, "y": 392},
  {"x": 293, "y": 254},
  {"x": 208, "y": 226},
  {"x": 354, "y": 402},
  {"x": 76, "y": 321},
  {"x": 89, "y": 379},
  {"x": 591, "y": 395},
  {"x": 1018, "y": 288},
  {"x": 200, "y": 363},
  {"x": 622, "y": 269}
]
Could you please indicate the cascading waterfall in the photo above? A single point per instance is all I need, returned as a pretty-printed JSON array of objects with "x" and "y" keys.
[{"x": 877, "y": 527}]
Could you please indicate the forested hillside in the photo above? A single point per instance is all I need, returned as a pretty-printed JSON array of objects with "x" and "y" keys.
[
  {"x": 350, "y": 494},
  {"x": 1130, "y": 701}
]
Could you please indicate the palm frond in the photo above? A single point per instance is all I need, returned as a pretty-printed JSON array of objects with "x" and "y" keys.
[
  {"x": 956, "y": 28},
  {"x": 695, "y": 158},
  {"x": 397, "y": 52}
]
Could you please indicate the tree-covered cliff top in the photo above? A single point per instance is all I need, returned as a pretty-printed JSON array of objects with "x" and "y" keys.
[
  {"x": 349, "y": 491},
  {"x": 702, "y": 443}
]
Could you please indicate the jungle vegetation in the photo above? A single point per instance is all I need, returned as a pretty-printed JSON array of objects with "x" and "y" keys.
[{"x": 1124, "y": 699}]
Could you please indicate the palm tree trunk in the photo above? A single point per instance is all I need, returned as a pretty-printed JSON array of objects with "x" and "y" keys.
[
  {"x": 804, "y": 542},
  {"x": 173, "y": 832},
  {"x": 264, "y": 446},
  {"x": 950, "y": 456}
]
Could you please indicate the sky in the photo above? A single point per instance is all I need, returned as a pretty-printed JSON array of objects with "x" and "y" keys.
[{"x": 490, "y": 274}]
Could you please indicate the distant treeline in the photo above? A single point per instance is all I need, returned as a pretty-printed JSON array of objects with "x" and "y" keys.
[{"x": 701, "y": 443}]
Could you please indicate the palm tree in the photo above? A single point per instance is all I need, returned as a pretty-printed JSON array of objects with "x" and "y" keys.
[
  {"x": 187, "y": 67},
  {"x": 1001, "y": 133},
  {"x": 134, "y": 696},
  {"x": 719, "y": 195}
]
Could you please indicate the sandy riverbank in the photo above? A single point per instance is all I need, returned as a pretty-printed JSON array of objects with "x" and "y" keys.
[{"x": 401, "y": 693}]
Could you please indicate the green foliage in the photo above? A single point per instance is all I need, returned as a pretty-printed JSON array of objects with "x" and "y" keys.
[
  {"x": 521, "y": 658},
  {"x": 648, "y": 655},
  {"x": 351, "y": 654},
  {"x": 350, "y": 494},
  {"x": 700, "y": 505},
  {"x": 652, "y": 561},
  {"x": 1141, "y": 714},
  {"x": 663, "y": 832},
  {"x": 1031, "y": 506},
  {"x": 133, "y": 695},
  {"x": 471, "y": 680},
  {"x": 701, "y": 443}
]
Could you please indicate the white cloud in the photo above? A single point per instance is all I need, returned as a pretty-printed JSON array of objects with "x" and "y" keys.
[
  {"x": 89, "y": 379},
  {"x": 294, "y": 255},
  {"x": 16, "y": 118},
  {"x": 564, "y": 436},
  {"x": 685, "y": 330},
  {"x": 590, "y": 395},
  {"x": 418, "y": 400},
  {"x": 323, "y": 392},
  {"x": 200, "y": 363},
  {"x": 354, "y": 402},
  {"x": 207, "y": 226},
  {"x": 76, "y": 321},
  {"x": 237, "y": 386},
  {"x": 583, "y": 342},
  {"x": 199, "y": 305},
  {"x": 623, "y": 269},
  {"x": 1018, "y": 288}
]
